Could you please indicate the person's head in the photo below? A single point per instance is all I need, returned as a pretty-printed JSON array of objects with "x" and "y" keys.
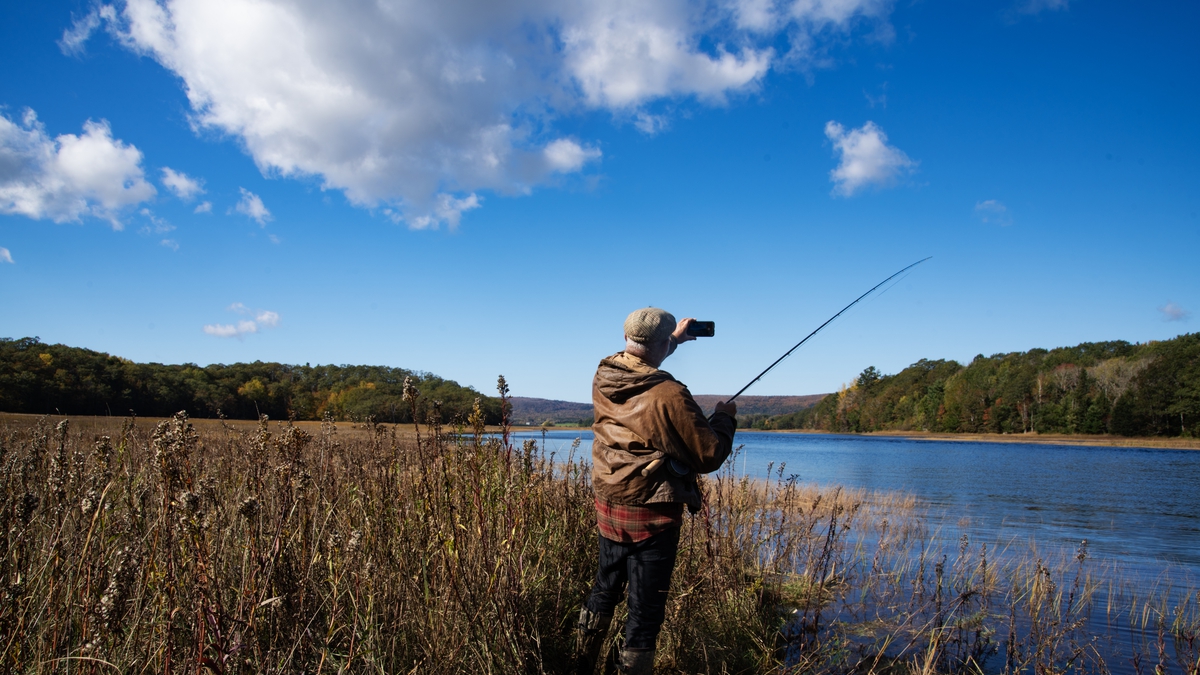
[{"x": 648, "y": 334}]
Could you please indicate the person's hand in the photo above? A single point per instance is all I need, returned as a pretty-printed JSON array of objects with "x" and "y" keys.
[
  {"x": 729, "y": 408},
  {"x": 680, "y": 333}
]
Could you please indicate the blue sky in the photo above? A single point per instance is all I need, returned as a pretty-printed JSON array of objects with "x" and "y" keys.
[{"x": 472, "y": 189}]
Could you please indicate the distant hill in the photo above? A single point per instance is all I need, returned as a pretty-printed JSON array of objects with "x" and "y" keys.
[
  {"x": 41, "y": 378},
  {"x": 1115, "y": 387},
  {"x": 761, "y": 405},
  {"x": 535, "y": 411}
]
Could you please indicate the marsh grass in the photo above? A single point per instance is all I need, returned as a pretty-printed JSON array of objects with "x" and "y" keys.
[{"x": 173, "y": 547}]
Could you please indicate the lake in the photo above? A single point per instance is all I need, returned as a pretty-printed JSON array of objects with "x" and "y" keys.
[{"x": 1137, "y": 507}]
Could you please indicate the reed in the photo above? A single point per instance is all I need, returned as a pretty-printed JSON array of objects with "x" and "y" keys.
[{"x": 443, "y": 548}]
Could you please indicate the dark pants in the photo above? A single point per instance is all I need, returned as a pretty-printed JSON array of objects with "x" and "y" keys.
[{"x": 646, "y": 568}]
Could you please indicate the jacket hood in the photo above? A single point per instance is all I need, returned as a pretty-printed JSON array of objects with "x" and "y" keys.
[{"x": 622, "y": 376}]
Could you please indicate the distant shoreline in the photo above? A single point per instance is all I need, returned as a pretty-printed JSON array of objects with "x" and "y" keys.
[
  {"x": 1106, "y": 440},
  {"x": 1040, "y": 439}
]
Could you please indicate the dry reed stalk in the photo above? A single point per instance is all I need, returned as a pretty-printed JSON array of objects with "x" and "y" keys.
[{"x": 224, "y": 547}]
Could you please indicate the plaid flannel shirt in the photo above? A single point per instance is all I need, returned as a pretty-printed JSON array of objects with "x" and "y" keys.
[{"x": 630, "y": 524}]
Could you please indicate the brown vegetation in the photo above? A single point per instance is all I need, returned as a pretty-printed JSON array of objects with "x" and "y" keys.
[{"x": 272, "y": 548}]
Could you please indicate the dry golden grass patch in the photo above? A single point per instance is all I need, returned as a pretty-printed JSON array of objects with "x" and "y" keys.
[{"x": 210, "y": 546}]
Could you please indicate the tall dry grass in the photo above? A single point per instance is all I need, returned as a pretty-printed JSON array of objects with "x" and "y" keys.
[{"x": 161, "y": 548}]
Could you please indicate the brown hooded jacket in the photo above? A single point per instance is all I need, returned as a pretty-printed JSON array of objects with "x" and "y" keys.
[{"x": 642, "y": 415}]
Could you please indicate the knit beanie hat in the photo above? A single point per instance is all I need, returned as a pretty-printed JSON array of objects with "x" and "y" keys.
[{"x": 649, "y": 325}]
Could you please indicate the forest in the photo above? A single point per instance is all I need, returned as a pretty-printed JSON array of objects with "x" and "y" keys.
[
  {"x": 1147, "y": 389},
  {"x": 1117, "y": 387},
  {"x": 52, "y": 378}
]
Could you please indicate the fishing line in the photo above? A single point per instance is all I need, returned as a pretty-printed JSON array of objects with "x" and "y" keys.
[
  {"x": 874, "y": 297},
  {"x": 889, "y": 287},
  {"x": 827, "y": 322}
]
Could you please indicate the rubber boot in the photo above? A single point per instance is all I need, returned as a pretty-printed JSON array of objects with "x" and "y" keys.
[
  {"x": 589, "y": 638},
  {"x": 637, "y": 661}
]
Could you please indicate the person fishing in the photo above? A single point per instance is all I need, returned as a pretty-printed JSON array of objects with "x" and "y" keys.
[{"x": 651, "y": 440}]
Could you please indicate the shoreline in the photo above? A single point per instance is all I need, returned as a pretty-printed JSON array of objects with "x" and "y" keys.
[
  {"x": 1104, "y": 440},
  {"x": 1100, "y": 440}
]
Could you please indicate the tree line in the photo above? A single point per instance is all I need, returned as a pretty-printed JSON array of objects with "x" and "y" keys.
[
  {"x": 1148, "y": 389},
  {"x": 42, "y": 379}
]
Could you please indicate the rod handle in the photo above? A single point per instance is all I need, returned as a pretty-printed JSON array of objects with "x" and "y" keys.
[{"x": 653, "y": 466}]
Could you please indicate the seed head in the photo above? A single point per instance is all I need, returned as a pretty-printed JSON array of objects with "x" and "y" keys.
[
  {"x": 249, "y": 508},
  {"x": 173, "y": 442},
  {"x": 190, "y": 501},
  {"x": 102, "y": 464},
  {"x": 208, "y": 488},
  {"x": 29, "y": 504},
  {"x": 116, "y": 595},
  {"x": 88, "y": 503}
]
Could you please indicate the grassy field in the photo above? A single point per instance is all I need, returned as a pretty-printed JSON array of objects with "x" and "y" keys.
[
  {"x": 405, "y": 432},
  {"x": 181, "y": 546}
]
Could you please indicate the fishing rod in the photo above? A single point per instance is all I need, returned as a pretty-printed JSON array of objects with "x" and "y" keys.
[{"x": 818, "y": 330}]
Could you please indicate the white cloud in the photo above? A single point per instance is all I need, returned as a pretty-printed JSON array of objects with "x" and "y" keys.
[
  {"x": 74, "y": 38},
  {"x": 225, "y": 330},
  {"x": 411, "y": 107},
  {"x": 203, "y": 207},
  {"x": 879, "y": 100},
  {"x": 170, "y": 243},
  {"x": 623, "y": 54},
  {"x": 755, "y": 15},
  {"x": 221, "y": 330},
  {"x": 1173, "y": 312},
  {"x": 184, "y": 186},
  {"x": 267, "y": 319},
  {"x": 565, "y": 155},
  {"x": 5, "y": 255},
  {"x": 446, "y": 209},
  {"x": 252, "y": 205},
  {"x": 262, "y": 319},
  {"x": 865, "y": 158},
  {"x": 68, "y": 177},
  {"x": 649, "y": 124},
  {"x": 1039, "y": 6},
  {"x": 157, "y": 225},
  {"x": 994, "y": 212}
]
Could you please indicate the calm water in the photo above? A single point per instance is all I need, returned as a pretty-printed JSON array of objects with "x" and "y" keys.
[{"x": 1138, "y": 507}]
